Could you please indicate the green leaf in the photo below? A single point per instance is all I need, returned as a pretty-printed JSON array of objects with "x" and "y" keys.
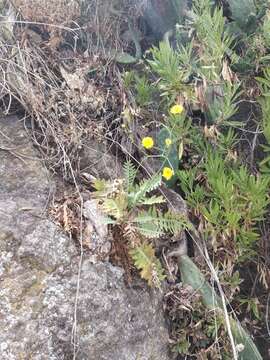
[
  {"x": 153, "y": 200},
  {"x": 191, "y": 275},
  {"x": 138, "y": 195},
  {"x": 130, "y": 173},
  {"x": 243, "y": 12},
  {"x": 146, "y": 261},
  {"x": 99, "y": 185},
  {"x": 115, "y": 207},
  {"x": 152, "y": 223},
  {"x": 148, "y": 229}
]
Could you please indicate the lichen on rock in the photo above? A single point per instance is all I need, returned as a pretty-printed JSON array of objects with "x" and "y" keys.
[{"x": 39, "y": 278}]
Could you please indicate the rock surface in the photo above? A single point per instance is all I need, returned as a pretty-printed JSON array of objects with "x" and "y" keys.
[
  {"x": 38, "y": 278},
  {"x": 97, "y": 160}
]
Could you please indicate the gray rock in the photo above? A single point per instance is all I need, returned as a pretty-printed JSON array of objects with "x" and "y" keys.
[
  {"x": 39, "y": 276},
  {"x": 97, "y": 160},
  {"x": 96, "y": 235}
]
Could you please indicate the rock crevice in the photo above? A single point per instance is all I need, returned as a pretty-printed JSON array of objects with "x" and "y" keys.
[{"x": 39, "y": 272}]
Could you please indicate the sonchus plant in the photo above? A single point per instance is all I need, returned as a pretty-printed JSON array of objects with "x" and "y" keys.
[{"x": 132, "y": 208}]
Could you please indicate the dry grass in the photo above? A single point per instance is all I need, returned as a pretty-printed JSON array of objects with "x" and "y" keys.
[
  {"x": 63, "y": 105},
  {"x": 58, "y": 12},
  {"x": 52, "y": 77},
  {"x": 99, "y": 23}
]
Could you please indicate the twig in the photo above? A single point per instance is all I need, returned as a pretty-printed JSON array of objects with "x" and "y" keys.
[
  {"x": 41, "y": 23},
  {"x": 254, "y": 145},
  {"x": 74, "y": 328},
  {"x": 267, "y": 315},
  {"x": 205, "y": 254}
]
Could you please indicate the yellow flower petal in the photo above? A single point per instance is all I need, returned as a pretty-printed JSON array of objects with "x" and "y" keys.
[
  {"x": 167, "y": 173},
  {"x": 147, "y": 142},
  {"x": 176, "y": 109},
  {"x": 168, "y": 142}
]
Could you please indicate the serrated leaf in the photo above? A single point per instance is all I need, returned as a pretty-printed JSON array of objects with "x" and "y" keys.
[
  {"x": 115, "y": 207},
  {"x": 130, "y": 173},
  {"x": 141, "y": 190},
  {"x": 152, "y": 223},
  {"x": 149, "y": 230},
  {"x": 152, "y": 200},
  {"x": 149, "y": 265}
]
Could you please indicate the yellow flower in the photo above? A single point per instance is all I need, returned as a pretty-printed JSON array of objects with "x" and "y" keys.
[
  {"x": 167, "y": 173},
  {"x": 176, "y": 109},
  {"x": 168, "y": 142},
  {"x": 147, "y": 142}
]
